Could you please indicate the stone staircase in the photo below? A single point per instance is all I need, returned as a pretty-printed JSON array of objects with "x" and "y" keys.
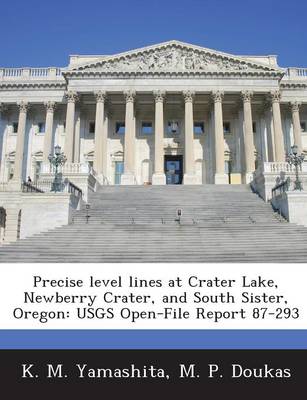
[{"x": 219, "y": 223}]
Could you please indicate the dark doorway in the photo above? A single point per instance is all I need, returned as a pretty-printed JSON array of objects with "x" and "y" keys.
[{"x": 173, "y": 166}]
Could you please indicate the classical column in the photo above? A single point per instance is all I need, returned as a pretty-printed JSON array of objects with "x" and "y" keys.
[
  {"x": 3, "y": 108},
  {"x": 72, "y": 98},
  {"x": 100, "y": 150},
  {"x": 275, "y": 97},
  {"x": 158, "y": 177},
  {"x": 128, "y": 177},
  {"x": 19, "y": 154},
  {"x": 297, "y": 131},
  {"x": 220, "y": 176},
  {"x": 189, "y": 159},
  {"x": 248, "y": 136},
  {"x": 50, "y": 107},
  {"x": 269, "y": 130}
]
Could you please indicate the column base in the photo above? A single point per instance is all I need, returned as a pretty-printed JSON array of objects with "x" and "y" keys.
[
  {"x": 190, "y": 179},
  {"x": 221, "y": 179},
  {"x": 127, "y": 179},
  {"x": 158, "y": 179},
  {"x": 248, "y": 177}
]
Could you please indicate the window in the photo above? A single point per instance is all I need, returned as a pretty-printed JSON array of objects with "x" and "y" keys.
[
  {"x": 227, "y": 129},
  {"x": 120, "y": 128},
  {"x": 41, "y": 127},
  {"x": 303, "y": 126},
  {"x": 15, "y": 127},
  {"x": 199, "y": 128},
  {"x": 91, "y": 128},
  {"x": 64, "y": 127},
  {"x": 173, "y": 128},
  {"x": 147, "y": 128},
  {"x": 254, "y": 127}
]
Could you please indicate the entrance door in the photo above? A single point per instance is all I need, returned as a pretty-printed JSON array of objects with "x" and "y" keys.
[
  {"x": 119, "y": 170},
  {"x": 173, "y": 166}
]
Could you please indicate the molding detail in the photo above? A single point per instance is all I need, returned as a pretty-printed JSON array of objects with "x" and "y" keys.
[
  {"x": 188, "y": 96},
  {"x": 217, "y": 96},
  {"x": 159, "y": 96},
  {"x": 71, "y": 97},
  {"x": 129, "y": 96},
  {"x": 50, "y": 106},
  {"x": 246, "y": 95},
  {"x": 275, "y": 96},
  {"x": 295, "y": 106},
  {"x": 101, "y": 96},
  {"x": 23, "y": 106}
]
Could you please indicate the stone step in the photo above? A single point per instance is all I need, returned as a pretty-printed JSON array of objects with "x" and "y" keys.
[{"x": 220, "y": 223}]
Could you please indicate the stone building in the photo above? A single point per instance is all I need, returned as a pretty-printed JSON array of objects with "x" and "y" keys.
[
  {"x": 168, "y": 113},
  {"x": 171, "y": 113}
]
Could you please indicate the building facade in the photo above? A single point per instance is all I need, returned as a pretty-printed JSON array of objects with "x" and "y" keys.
[{"x": 165, "y": 114}]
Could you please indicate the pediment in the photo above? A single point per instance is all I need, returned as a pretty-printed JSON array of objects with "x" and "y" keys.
[{"x": 173, "y": 58}]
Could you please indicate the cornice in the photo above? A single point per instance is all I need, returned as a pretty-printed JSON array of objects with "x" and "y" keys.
[
  {"x": 293, "y": 85},
  {"x": 33, "y": 85},
  {"x": 173, "y": 74}
]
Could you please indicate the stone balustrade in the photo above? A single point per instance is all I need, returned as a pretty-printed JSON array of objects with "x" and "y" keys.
[
  {"x": 296, "y": 73},
  {"x": 270, "y": 174},
  {"x": 30, "y": 73},
  {"x": 68, "y": 168},
  {"x": 277, "y": 167}
]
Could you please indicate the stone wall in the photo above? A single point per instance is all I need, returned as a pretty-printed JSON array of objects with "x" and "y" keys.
[{"x": 31, "y": 213}]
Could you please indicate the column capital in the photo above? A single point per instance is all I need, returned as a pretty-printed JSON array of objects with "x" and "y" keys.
[
  {"x": 294, "y": 105},
  {"x": 188, "y": 96},
  {"x": 23, "y": 106},
  {"x": 129, "y": 96},
  {"x": 101, "y": 96},
  {"x": 246, "y": 96},
  {"x": 50, "y": 106},
  {"x": 217, "y": 96},
  {"x": 274, "y": 96},
  {"x": 159, "y": 96},
  {"x": 71, "y": 97}
]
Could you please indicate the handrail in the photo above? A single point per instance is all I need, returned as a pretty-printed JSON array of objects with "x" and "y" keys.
[
  {"x": 281, "y": 187},
  {"x": 73, "y": 189},
  {"x": 29, "y": 187}
]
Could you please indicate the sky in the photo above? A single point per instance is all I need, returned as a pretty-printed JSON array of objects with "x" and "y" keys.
[{"x": 36, "y": 33}]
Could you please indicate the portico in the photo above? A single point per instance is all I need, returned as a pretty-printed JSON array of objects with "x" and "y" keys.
[{"x": 121, "y": 117}]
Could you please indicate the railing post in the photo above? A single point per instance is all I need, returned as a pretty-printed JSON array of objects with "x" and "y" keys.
[
  {"x": 52, "y": 72},
  {"x": 26, "y": 72}
]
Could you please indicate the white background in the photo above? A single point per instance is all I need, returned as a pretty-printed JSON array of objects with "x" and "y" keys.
[{"x": 15, "y": 279}]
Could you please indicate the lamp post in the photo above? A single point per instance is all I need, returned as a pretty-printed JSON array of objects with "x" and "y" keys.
[
  {"x": 294, "y": 159},
  {"x": 58, "y": 159}
]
